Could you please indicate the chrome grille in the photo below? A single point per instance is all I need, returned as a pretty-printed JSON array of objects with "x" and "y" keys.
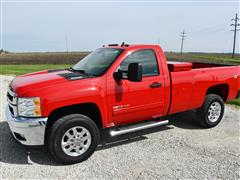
[
  {"x": 10, "y": 97},
  {"x": 11, "y": 110},
  {"x": 12, "y": 101}
]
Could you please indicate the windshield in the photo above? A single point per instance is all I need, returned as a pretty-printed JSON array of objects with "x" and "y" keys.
[{"x": 97, "y": 62}]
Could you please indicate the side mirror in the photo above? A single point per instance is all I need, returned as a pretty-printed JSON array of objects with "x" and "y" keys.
[
  {"x": 135, "y": 72},
  {"x": 118, "y": 75}
]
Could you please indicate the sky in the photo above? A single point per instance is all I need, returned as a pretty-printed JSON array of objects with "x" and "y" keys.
[{"x": 36, "y": 26}]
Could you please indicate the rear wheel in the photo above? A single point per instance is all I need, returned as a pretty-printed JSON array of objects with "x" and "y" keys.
[
  {"x": 73, "y": 138},
  {"x": 212, "y": 111}
]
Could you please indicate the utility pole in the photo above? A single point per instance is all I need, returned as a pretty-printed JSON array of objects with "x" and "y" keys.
[
  {"x": 66, "y": 41},
  {"x": 235, "y": 24},
  {"x": 183, "y": 35}
]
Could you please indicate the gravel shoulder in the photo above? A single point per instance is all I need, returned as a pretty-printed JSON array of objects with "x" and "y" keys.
[{"x": 180, "y": 150}]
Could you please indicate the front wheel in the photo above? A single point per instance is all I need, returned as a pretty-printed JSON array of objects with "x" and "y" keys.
[
  {"x": 73, "y": 138},
  {"x": 212, "y": 111}
]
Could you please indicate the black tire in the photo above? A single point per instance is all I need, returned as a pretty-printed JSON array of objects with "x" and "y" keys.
[
  {"x": 203, "y": 112},
  {"x": 61, "y": 126}
]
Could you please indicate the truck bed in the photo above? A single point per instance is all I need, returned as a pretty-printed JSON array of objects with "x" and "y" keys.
[
  {"x": 190, "y": 82},
  {"x": 175, "y": 66}
]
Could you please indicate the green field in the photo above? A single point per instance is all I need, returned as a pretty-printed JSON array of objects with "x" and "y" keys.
[
  {"x": 22, "y": 63},
  {"x": 235, "y": 102},
  {"x": 20, "y": 69},
  {"x": 204, "y": 57}
]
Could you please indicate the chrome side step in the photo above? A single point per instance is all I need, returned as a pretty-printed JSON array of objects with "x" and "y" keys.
[{"x": 137, "y": 127}]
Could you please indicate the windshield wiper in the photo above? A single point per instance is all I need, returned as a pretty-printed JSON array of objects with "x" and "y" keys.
[
  {"x": 81, "y": 72},
  {"x": 76, "y": 70}
]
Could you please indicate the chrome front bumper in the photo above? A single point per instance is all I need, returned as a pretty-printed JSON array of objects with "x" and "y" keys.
[{"x": 28, "y": 131}]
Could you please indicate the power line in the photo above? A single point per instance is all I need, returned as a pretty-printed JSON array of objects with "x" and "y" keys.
[
  {"x": 183, "y": 35},
  {"x": 235, "y": 24},
  {"x": 207, "y": 29}
]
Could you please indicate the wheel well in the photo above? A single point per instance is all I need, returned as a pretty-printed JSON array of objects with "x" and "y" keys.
[
  {"x": 222, "y": 90},
  {"x": 88, "y": 109}
]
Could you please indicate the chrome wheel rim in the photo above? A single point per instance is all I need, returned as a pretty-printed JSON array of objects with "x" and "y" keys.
[
  {"x": 214, "y": 111},
  {"x": 76, "y": 141}
]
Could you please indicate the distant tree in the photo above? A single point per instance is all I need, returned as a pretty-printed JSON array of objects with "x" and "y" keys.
[{"x": 3, "y": 52}]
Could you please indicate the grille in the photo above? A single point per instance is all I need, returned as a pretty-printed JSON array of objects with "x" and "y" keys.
[
  {"x": 11, "y": 110},
  {"x": 12, "y": 101},
  {"x": 12, "y": 97},
  {"x": 9, "y": 97}
]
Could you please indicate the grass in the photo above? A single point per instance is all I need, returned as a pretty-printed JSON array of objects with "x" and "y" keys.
[
  {"x": 216, "y": 58},
  {"x": 24, "y": 69},
  {"x": 235, "y": 102},
  {"x": 204, "y": 57}
]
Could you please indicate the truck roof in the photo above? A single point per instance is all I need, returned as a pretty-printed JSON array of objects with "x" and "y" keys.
[{"x": 131, "y": 46}]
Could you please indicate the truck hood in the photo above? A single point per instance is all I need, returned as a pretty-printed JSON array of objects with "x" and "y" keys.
[{"x": 43, "y": 79}]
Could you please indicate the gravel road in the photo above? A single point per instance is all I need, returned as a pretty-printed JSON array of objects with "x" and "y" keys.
[{"x": 180, "y": 150}]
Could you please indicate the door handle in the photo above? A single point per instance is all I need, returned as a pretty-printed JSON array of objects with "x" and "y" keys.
[{"x": 155, "y": 85}]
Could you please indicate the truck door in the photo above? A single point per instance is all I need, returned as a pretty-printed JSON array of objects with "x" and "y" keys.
[{"x": 136, "y": 101}]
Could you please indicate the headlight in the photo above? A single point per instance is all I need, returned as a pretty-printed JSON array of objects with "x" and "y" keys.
[{"x": 29, "y": 107}]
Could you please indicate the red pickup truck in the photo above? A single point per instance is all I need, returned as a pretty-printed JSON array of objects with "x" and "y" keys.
[{"x": 123, "y": 88}]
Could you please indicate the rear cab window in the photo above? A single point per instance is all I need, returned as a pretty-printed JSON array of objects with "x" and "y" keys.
[{"x": 146, "y": 58}]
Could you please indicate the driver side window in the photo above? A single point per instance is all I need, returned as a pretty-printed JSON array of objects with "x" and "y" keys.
[{"x": 144, "y": 57}]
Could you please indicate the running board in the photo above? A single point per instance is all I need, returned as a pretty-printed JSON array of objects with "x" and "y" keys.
[{"x": 137, "y": 127}]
